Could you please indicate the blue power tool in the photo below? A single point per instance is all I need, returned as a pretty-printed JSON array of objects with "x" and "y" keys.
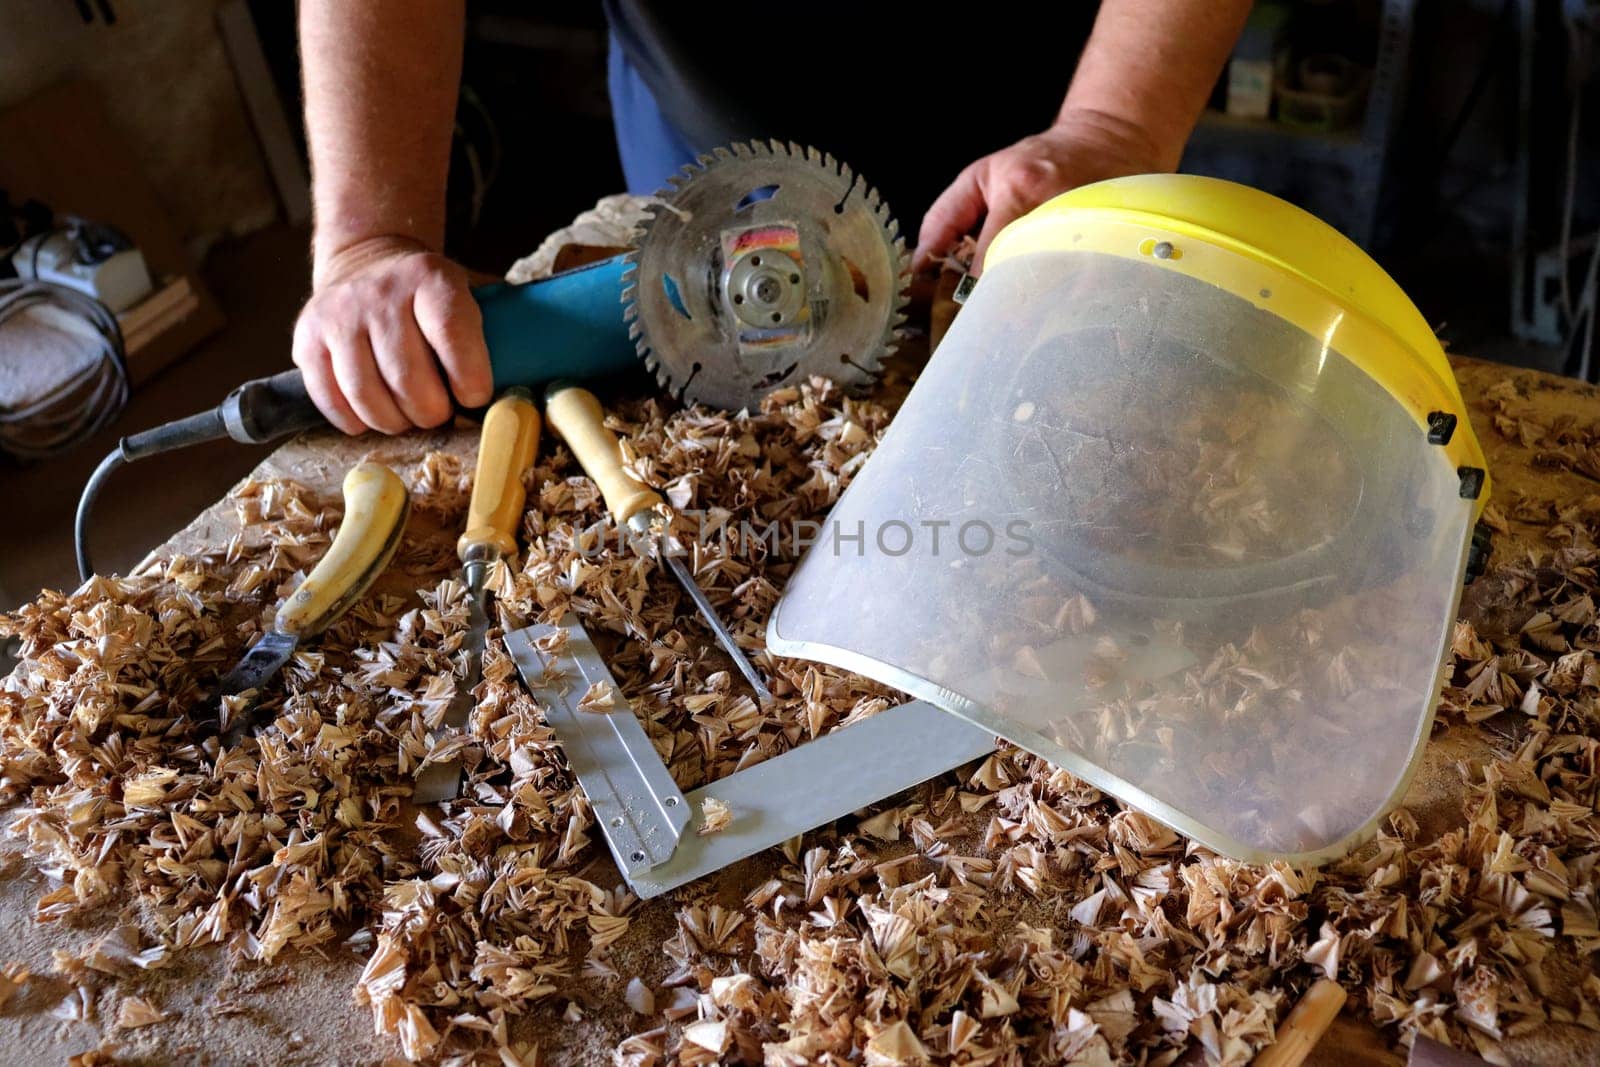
[
  {"x": 762, "y": 265},
  {"x": 566, "y": 326}
]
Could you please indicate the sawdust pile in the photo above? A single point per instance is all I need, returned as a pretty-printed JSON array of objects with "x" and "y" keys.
[{"x": 1009, "y": 915}]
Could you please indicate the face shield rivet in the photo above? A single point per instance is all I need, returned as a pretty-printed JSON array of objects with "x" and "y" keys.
[
  {"x": 1479, "y": 552},
  {"x": 1162, "y": 250},
  {"x": 964, "y": 288},
  {"x": 1471, "y": 482},
  {"x": 1441, "y": 427}
]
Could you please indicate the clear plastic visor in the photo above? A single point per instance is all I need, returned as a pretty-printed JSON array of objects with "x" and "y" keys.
[{"x": 1161, "y": 537}]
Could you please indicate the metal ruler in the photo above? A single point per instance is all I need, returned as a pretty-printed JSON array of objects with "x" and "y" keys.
[{"x": 648, "y": 821}]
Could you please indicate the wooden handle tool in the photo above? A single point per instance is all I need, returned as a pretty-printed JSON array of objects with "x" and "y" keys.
[
  {"x": 1307, "y": 1022},
  {"x": 575, "y": 415},
  {"x": 506, "y": 448},
  {"x": 375, "y": 508}
]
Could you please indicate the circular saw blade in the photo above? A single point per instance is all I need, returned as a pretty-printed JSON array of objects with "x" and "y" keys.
[{"x": 762, "y": 265}]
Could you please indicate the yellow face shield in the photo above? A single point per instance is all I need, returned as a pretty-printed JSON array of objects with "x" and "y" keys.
[{"x": 1183, "y": 504}]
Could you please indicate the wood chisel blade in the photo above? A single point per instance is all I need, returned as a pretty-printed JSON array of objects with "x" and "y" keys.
[
  {"x": 376, "y": 505},
  {"x": 506, "y": 447},
  {"x": 718, "y": 629},
  {"x": 264, "y": 659},
  {"x": 576, "y": 416},
  {"x": 441, "y": 780}
]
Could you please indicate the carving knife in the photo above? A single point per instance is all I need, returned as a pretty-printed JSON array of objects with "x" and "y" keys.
[
  {"x": 506, "y": 447},
  {"x": 575, "y": 415},
  {"x": 375, "y": 508}
]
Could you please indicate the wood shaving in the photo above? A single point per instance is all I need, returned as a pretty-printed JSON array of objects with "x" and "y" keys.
[
  {"x": 639, "y": 997},
  {"x": 1009, "y": 914},
  {"x": 135, "y": 1012},
  {"x": 12, "y": 978},
  {"x": 599, "y": 697},
  {"x": 714, "y": 816}
]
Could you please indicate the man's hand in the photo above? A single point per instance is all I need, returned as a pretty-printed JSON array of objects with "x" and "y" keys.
[
  {"x": 1138, "y": 90},
  {"x": 385, "y": 316},
  {"x": 1083, "y": 146},
  {"x": 386, "y": 310}
]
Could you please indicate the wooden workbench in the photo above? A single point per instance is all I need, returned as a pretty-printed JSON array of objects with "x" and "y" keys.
[{"x": 300, "y": 1010}]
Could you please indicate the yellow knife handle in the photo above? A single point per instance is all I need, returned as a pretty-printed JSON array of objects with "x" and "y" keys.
[
  {"x": 375, "y": 509},
  {"x": 575, "y": 415},
  {"x": 505, "y": 449}
]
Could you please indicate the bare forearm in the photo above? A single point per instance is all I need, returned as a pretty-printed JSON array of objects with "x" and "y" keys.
[
  {"x": 1150, "y": 65},
  {"x": 381, "y": 78}
]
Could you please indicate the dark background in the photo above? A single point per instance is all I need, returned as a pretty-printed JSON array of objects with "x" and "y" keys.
[{"x": 535, "y": 144}]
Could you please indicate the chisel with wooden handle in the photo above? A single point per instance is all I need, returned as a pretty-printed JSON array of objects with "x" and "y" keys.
[
  {"x": 506, "y": 447},
  {"x": 576, "y": 417},
  {"x": 375, "y": 508}
]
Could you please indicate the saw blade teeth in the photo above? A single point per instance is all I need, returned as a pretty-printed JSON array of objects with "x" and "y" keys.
[
  {"x": 821, "y": 182},
  {"x": 663, "y": 379}
]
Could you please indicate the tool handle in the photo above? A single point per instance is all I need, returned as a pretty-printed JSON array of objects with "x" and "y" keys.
[
  {"x": 1307, "y": 1022},
  {"x": 265, "y": 408},
  {"x": 575, "y": 415},
  {"x": 506, "y": 448},
  {"x": 375, "y": 509},
  {"x": 568, "y": 325}
]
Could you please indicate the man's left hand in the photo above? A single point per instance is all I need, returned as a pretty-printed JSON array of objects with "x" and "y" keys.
[{"x": 1083, "y": 146}]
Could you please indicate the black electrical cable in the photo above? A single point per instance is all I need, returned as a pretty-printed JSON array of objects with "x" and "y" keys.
[
  {"x": 208, "y": 425},
  {"x": 91, "y": 490},
  {"x": 85, "y": 403},
  {"x": 256, "y": 412}
]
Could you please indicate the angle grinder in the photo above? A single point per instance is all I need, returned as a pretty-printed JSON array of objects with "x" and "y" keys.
[{"x": 760, "y": 265}]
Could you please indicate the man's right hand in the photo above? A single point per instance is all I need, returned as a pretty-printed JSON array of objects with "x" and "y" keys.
[{"x": 385, "y": 316}]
